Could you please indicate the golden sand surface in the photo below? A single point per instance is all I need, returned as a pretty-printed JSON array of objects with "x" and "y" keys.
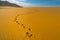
[{"x": 38, "y": 23}]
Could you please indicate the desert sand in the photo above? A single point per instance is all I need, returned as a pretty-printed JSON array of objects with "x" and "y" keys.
[{"x": 36, "y": 23}]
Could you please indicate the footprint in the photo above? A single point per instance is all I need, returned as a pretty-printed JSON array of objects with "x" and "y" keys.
[
  {"x": 27, "y": 33},
  {"x": 30, "y": 35},
  {"x": 22, "y": 24},
  {"x": 17, "y": 22},
  {"x": 16, "y": 19},
  {"x": 29, "y": 29}
]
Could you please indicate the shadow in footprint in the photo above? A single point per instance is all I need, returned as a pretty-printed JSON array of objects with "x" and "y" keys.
[{"x": 29, "y": 29}]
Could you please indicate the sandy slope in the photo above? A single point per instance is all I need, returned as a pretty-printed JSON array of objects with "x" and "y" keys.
[{"x": 29, "y": 23}]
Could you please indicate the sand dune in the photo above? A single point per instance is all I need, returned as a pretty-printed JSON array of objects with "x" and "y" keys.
[{"x": 41, "y": 23}]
